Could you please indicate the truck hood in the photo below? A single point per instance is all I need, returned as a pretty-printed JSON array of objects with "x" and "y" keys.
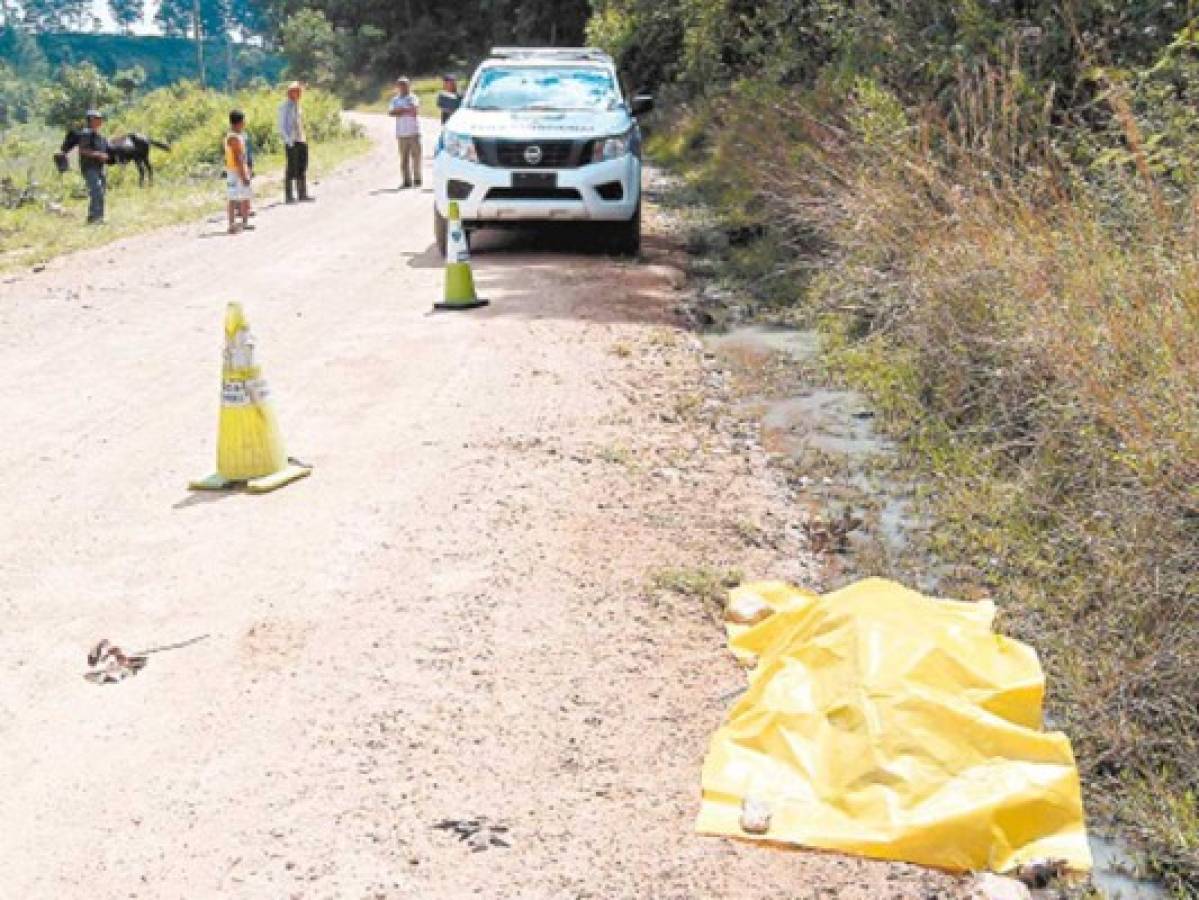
[{"x": 539, "y": 125}]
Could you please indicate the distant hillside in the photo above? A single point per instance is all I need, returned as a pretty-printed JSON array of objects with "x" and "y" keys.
[{"x": 165, "y": 59}]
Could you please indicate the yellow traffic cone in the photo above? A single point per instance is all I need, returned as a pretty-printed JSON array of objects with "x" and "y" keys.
[
  {"x": 249, "y": 449},
  {"x": 459, "y": 282}
]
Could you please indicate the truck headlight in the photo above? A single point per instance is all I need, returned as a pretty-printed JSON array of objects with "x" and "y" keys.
[
  {"x": 459, "y": 146},
  {"x": 615, "y": 146}
]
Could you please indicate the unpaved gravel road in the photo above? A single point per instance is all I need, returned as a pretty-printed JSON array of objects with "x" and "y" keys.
[{"x": 448, "y": 621}]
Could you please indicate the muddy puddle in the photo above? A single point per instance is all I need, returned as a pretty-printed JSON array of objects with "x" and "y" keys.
[
  {"x": 826, "y": 437},
  {"x": 842, "y": 471},
  {"x": 1115, "y": 873}
]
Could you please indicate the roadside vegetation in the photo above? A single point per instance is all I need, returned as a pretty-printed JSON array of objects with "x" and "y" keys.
[
  {"x": 991, "y": 213},
  {"x": 42, "y": 212}
]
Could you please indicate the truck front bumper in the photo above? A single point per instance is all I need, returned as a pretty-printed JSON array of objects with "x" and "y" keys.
[{"x": 602, "y": 192}]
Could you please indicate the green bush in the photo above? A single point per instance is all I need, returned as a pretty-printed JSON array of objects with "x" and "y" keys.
[
  {"x": 192, "y": 121},
  {"x": 195, "y": 122}
]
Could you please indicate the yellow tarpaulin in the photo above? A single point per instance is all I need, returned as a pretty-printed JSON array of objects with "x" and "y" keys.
[{"x": 885, "y": 723}]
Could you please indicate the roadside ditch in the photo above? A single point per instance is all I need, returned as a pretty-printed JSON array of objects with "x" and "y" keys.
[{"x": 862, "y": 509}]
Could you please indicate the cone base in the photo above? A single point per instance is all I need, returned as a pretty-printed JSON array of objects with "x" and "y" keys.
[
  {"x": 214, "y": 482},
  {"x": 263, "y": 485},
  {"x": 461, "y": 304},
  {"x": 284, "y": 476}
]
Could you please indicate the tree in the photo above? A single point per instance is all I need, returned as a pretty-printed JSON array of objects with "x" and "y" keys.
[
  {"x": 129, "y": 80},
  {"x": 394, "y": 36},
  {"x": 57, "y": 15},
  {"x": 248, "y": 18},
  {"x": 75, "y": 89},
  {"x": 126, "y": 13},
  {"x": 179, "y": 17},
  {"x": 20, "y": 51},
  {"x": 18, "y": 97},
  {"x": 310, "y": 45}
]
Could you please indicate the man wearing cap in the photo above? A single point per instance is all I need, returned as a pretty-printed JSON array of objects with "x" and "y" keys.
[
  {"x": 405, "y": 109},
  {"x": 93, "y": 157},
  {"x": 448, "y": 100},
  {"x": 295, "y": 141}
]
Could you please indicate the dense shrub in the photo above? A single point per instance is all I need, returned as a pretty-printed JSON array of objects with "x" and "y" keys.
[
  {"x": 1033, "y": 333},
  {"x": 194, "y": 122}
]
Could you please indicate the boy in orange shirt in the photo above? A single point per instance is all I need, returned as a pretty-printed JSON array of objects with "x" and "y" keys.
[{"x": 237, "y": 173}]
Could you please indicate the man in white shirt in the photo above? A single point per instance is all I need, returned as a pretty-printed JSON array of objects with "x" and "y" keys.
[
  {"x": 405, "y": 108},
  {"x": 295, "y": 142}
]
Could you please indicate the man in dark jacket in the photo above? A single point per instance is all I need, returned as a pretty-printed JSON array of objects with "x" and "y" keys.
[
  {"x": 93, "y": 157},
  {"x": 448, "y": 99}
]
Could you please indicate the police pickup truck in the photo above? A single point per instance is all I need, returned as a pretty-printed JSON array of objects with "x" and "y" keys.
[{"x": 543, "y": 135}]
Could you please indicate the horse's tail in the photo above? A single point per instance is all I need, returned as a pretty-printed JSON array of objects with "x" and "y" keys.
[{"x": 161, "y": 145}]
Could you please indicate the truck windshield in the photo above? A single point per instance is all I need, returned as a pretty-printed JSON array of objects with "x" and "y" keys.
[{"x": 535, "y": 87}]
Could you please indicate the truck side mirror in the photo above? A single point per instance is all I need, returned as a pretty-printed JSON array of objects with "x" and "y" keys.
[{"x": 642, "y": 103}]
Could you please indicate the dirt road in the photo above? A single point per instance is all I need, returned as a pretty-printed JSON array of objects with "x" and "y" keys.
[{"x": 449, "y": 621}]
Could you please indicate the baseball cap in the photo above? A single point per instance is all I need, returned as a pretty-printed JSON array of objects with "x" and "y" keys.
[{"x": 93, "y": 114}]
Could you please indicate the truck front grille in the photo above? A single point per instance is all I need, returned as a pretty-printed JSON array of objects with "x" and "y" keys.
[{"x": 514, "y": 154}]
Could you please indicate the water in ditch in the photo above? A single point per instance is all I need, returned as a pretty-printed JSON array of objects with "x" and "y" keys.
[{"x": 831, "y": 433}]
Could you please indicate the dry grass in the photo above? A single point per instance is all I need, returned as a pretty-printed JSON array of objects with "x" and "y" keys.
[{"x": 1036, "y": 340}]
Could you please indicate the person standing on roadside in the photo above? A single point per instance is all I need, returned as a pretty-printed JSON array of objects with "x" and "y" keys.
[
  {"x": 237, "y": 172},
  {"x": 295, "y": 141},
  {"x": 93, "y": 157},
  {"x": 245, "y": 136},
  {"x": 405, "y": 108},
  {"x": 448, "y": 100}
]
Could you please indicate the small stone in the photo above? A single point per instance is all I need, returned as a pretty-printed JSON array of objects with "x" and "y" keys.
[
  {"x": 755, "y": 816},
  {"x": 989, "y": 886},
  {"x": 747, "y": 609}
]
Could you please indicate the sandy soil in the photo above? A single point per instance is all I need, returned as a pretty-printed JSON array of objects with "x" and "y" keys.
[{"x": 449, "y": 620}]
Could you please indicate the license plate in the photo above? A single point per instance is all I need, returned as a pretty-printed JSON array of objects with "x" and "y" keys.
[{"x": 534, "y": 179}]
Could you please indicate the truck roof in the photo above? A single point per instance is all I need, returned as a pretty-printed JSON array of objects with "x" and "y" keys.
[{"x": 542, "y": 55}]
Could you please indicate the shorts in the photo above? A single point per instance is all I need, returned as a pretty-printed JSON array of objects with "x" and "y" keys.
[{"x": 237, "y": 190}]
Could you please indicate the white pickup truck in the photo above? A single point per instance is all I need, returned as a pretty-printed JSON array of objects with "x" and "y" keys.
[{"x": 543, "y": 135}]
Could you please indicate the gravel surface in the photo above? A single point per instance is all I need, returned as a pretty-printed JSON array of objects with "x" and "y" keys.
[{"x": 436, "y": 667}]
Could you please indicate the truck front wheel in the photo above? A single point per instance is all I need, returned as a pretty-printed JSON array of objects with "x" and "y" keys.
[
  {"x": 440, "y": 231},
  {"x": 624, "y": 238}
]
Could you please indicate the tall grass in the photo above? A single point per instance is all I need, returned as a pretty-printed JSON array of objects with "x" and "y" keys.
[
  {"x": 1034, "y": 337},
  {"x": 41, "y": 212}
]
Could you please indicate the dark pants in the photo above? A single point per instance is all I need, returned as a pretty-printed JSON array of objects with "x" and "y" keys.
[
  {"x": 297, "y": 168},
  {"x": 96, "y": 185}
]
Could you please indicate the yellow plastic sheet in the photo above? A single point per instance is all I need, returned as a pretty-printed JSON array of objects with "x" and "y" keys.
[{"x": 885, "y": 723}]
